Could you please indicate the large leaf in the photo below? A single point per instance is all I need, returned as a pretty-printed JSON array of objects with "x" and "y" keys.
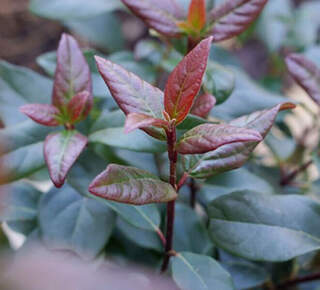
[
  {"x": 131, "y": 185},
  {"x": 208, "y": 137},
  {"x": 19, "y": 86},
  {"x": 72, "y": 9},
  {"x": 159, "y": 15},
  {"x": 69, "y": 221},
  {"x": 61, "y": 150},
  {"x": 306, "y": 74},
  {"x": 185, "y": 81},
  {"x": 43, "y": 114},
  {"x": 72, "y": 74},
  {"x": 261, "y": 227},
  {"x": 197, "y": 272},
  {"x": 233, "y": 17}
]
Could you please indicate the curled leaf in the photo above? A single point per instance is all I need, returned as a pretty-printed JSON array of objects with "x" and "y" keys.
[
  {"x": 203, "y": 105},
  {"x": 131, "y": 185},
  {"x": 43, "y": 114},
  {"x": 135, "y": 121},
  {"x": 185, "y": 81},
  {"x": 77, "y": 106}
]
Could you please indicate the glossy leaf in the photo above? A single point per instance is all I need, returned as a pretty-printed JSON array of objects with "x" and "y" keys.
[
  {"x": 198, "y": 272},
  {"x": 203, "y": 105},
  {"x": 136, "y": 121},
  {"x": 72, "y": 74},
  {"x": 61, "y": 150},
  {"x": 43, "y": 114},
  {"x": 306, "y": 74},
  {"x": 69, "y": 221},
  {"x": 131, "y": 185},
  {"x": 185, "y": 81},
  {"x": 159, "y": 15},
  {"x": 208, "y": 137},
  {"x": 233, "y": 17},
  {"x": 77, "y": 106},
  {"x": 260, "y": 227}
]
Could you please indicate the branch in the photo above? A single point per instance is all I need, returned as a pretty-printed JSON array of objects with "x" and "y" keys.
[
  {"x": 298, "y": 280},
  {"x": 290, "y": 177}
]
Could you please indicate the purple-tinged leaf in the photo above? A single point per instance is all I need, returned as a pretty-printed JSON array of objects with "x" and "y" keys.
[
  {"x": 185, "y": 81},
  {"x": 72, "y": 74},
  {"x": 77, "y": 107},
  {"x": 162, "y": 15},
  {"x": 306, "y": 74},
  {"x": 131, "y": 185},
  {"x": 203, "y": 105},
  {"x": 138, "y": 121},
  {"x": 208, "y": 137},
  {"x": 61, "y": 150},
  {"x": 233, "y": 17},
  {"x": 43, "y": 114}
]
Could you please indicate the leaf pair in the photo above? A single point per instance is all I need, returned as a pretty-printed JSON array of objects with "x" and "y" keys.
[
  {"x": 71, "y": 102},
  {"x": 223, "y": 22}
]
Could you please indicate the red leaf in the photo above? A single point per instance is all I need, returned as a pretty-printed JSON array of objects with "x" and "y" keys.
[
  {"x": 203, "y": 105},
  {"x": 185, "y": 81},
  {"x": 61, "y": 150},
  {"x": 161, "y": 15},
  {"x": 197, "y": 14},
  {"x": 306, "y": 74},
  {"x": 43, "y": 114},
  {"x": 135, "y": 121},
  {"x": 77, "y": 106},
  {"x": 233, "y": 17},
  {"x": 72, "y": 74},
  {"x": 208, "y": 137}
]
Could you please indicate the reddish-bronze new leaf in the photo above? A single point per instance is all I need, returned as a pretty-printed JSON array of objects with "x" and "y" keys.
[
  {"x": 161, "y": 15},
  {"x": 135, "y": 121},
  {"x": 72, "y": 74},
  {"x": 185, "y": 81},
  {"x": 306, "y": 74},
  {"x": 203, "y": 105},
  {"x": 43, "y": 114},
  {"x": 77, "y": 106},
  {"x": 233, "y": 17},
  {"x": 197, "y": 14},
  {"x": 61, "y": 150}
]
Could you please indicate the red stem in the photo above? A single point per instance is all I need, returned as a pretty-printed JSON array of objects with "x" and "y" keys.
[
  {"x": 299, "y": 280},
  {"x": 193, "y": 193},
  {"x": 291, "y": 176}
]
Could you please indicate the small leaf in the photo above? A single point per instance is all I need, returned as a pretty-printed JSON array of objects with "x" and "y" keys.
[
  {"x": 72, "y": 74},
  {"x": 77, "y": 106},
  {"x": 208, "y": 137},
  {"x": 131, "y": 185},
  {"x": 135, "y": 121},
  {"x": 61, "y": 150},
  {"x": 198, "y": 272},
  {"x": 43, "y": 114},
  {"x": 197, "y": 14},
  {"x": 233, "y": 17},
  {"x": 306, "y": 74},
  {"x": 159, "y": 15},
  {"x": 203, "y": 105},
  {"x": 185, "y": 81}
]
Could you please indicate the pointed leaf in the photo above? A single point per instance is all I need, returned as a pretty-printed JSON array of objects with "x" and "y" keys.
[
  {"x": 72, "y": 74},
  {"x": 197, "y": 14},
  {"x": 247, "y": 223},
  {"x": 132, "y": 94},
  {"x": 61, "y": 150},
  {"x": 135, "y": 121},
  {"x": 208, "y": 137},
  {"x": 185, "y": 81},
  {"x": 203, "y": 105},
  {"x": 159, "y": 15},
  {"x": 77, "y": 106},
  {"x": 43, "y": 114},
  {"x": 306, "y": 74},
  {"x": 131, "y": 185},
  {"x": 198, "y": 272},
  {"x": 233, "y": 17}
]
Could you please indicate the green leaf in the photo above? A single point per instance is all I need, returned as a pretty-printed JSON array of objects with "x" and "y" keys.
[
  {"x": 72, "y": 9},
  {"x": 69, "y": 221},
  {"x": 262, "y": 228},
  {"x": 135, "y": 141},
  {"x": 19, "y": 86},
  {"x": 197, "y": 272},
  {"x": 131, "y": 185}
]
